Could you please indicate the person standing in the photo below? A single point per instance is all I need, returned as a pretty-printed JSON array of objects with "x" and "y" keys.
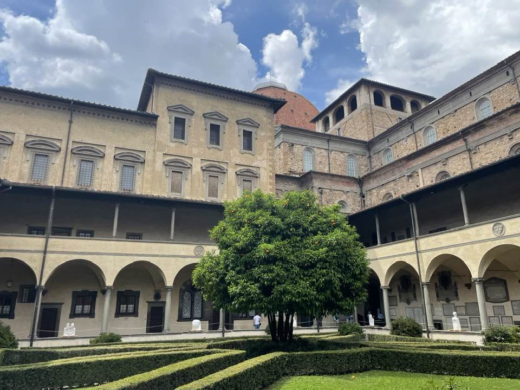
[{"x": 257, "y": 321}]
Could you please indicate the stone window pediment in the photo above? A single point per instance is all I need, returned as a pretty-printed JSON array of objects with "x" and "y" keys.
[
  {"x": 214, "y": 115},
  {"x": 215, "y": 168},
  {"x": 248, "y": 122},
  {"x": 5, "y": 140},
  {"x": 180, "y": 109},
  {"x": 44, "y": 145},
  {"x": 90, "y": 151},
  {"x": 177, "y": 163},
  {"x": 247, "y": 180},
  {"x": 129, "y": 157},
  {"x": 248, "y": 173}
]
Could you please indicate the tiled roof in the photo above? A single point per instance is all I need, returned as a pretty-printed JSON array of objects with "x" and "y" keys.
[{"x": 297, "y": 112}]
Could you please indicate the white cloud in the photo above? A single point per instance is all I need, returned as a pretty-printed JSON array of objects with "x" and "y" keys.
[
  {"x": 434, "y": 46},
  {"x": 333, "y": 94},
  {"x": 100, "y": 50},
  {"x": 285, "y": 56}
]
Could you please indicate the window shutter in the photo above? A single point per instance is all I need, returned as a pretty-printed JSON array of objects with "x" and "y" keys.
[
  {"x": 40, "y": 165},
  {"x": 213, "y": 186},
  {"x": 247, "y": 140},
  {"x": 128, "y": 178},
  {"x": 214, "y": 134},
  {"x": 176, "y": 182},
  {"x": 86, "y": 173},
  {"x": 179, "y": 128}
]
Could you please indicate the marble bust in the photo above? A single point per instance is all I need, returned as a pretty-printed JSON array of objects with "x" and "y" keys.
[
  {"x": 370, "y": 320},
  {"x": 456, "y": 322}
]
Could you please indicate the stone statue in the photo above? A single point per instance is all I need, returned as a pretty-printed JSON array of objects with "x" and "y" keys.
[
  {"x": 196, "y": 326},
  {"x": 370, "y": 320},
  {"x": 70, "y": 330},
  {"x": 294, "y": 322},
  {"x": 456, "y": 322}
]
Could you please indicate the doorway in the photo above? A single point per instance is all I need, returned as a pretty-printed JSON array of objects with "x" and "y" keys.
[
  {"x": 49, "y": 323},
  {"x": 155, "y": 322}
]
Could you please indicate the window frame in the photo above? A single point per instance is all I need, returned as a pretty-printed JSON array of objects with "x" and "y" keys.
[
  {"x": 128, "y": 158},
  {"x": 13, "y": 296},
  {"x": 183, "y": 112},
  {"x": 440, "y": 175},
  {"x": 400, "y": 98},
  {"x": 213, "y": 170},
  {"x": 248, "y": 124},
  {"x": 177, "y": 165},
  {"x": 385, "y": 158},
  {"x": 351, "y": 99},
  {"x": 429, "y": 129},
  {"x": 383, "y": 98},
  {"x": 417, "y": 103},
  {"x": 335, "y": 113},
  {"x": 218, "y": 119},
  {"x": 352, "y": 157},
  {"x": 313, "y": 159},
  {"x": 325, "y": 123},
  {"x": 42, "y": 228},
  {"x": 33, "y": 162},
  {"x": 387, "y": 197},
  {"x": 83, "y": 293},
  {"x": 344, "y": 209},
  {"x": 134, "y": 180},
  {"x": 31, "y": 298},
  {"x": 187, "y": 287},
  {"x": 514, "y": 150},
  {"x": 478, "y": 111},
  {"x": 247, "y": 174},
  {"x": 41, "y": 147},
  {"x": 5, "y": 143},
  {"x": 92, "y": 174},
  {"x": 124, "y": 294},
  {"x": 79, "y": 231},
  {"x": 63, "y": 229},
  {"x": 128, "y": 234},
  {"x": 87, "y": 153}
]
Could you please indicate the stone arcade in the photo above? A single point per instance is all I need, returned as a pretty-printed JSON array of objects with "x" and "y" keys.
[{"x": 106, "y": 211}]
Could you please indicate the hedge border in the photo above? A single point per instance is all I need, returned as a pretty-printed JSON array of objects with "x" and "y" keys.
[
  {"x": 84, "y": 371},
  {"x": 177, "y": 374},
  {"x": 385, "y": 337}
]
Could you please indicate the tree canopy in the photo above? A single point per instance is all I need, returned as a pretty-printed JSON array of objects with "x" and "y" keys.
[{"x": 283, "y": 256}]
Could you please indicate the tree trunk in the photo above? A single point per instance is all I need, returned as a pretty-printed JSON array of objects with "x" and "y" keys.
[
  {"x": 280, "y": 326},
  {"x": 272, "y": 326}
]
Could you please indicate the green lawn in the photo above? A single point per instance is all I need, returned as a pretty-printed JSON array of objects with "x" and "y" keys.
[{"x": 391, "y": 380}]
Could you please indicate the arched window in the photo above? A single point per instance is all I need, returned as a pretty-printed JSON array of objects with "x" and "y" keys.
[
  {"x": 388, "y": 196},
  {"x": 191, "y": 304},
  {"x": 483, "y": 108},
  {"x": 388, "y": 156},
  {"x": 352, "y": 165},
  {"x": 308, "y": 160},
  {"x": 326, "y": 124},
  {"x": 379, "y": 98},
  {"x": 415, "y": 106},
  {"x": 515, "y": 150},
  {"x": 441, "y": 176},
  {"x": 397, "y": 103},
  {"x": 352, "y": 104},
  {"x": 339, "y": 114},
  {"x": 343, "y": 207},
  {"x": 429, "y": 136}
]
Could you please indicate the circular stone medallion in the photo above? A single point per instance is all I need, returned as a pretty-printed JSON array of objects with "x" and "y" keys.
[
  {"x": 199, "y": 250},
  {"x": 499, "y": 229}
]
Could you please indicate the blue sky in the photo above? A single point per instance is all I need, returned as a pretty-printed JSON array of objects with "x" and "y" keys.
[{"x": 99, "y": 50}]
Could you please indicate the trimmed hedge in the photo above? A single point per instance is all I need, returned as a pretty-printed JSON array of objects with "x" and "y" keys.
[
  {"x": 421, "y": 345},
  {"x": 177, "y": 374},
  {"x": 385, "y": 337},
  {"x": 37, "y": 355},
  {"x": 84, "y": 371}
]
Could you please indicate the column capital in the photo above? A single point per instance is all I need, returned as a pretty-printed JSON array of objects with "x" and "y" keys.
[
  {"x": 426, "y": 284},
  {"x": 385, "y": 287},
  {"x": 168, "y": 288},
  {"x": 478, "y": 280}
]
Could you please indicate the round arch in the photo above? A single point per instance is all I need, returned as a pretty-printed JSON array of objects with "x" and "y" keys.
[
  {"x": 395, "y": 268},
  {"x": 155, "y": 273},
  {"x": 450, "y": 261},
  {"x": 12, "y": 266},
  {"x": 339, "y": 114},
  {"x": 98, "y": 272},
  {"x": 507, "y": 254}
]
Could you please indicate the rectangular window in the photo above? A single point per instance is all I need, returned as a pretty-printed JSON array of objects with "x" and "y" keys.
[
  {"x": 85, "y": 233},
  {"x": 36, "y": 230},
  {"x": 7, "y": 304},
  {"x": 27, "y": 293},
  {"x": 39, "y": 168},
  {"x": 176, "y": 182},
  {"x": 127, "y": 304},
  {"x": 61, "y": 231},
  {"x": 85, "y": 173},
  {"x": 128, "y": 178},
  {"x": 214, "y": 134},
  {"x": 247, "y": 140},
  {"x": 213, "y": 187},
  {"x": 134, "y": 236},
  {"x": 83, "y": 304},
  {"x": 247, "y": 185},
  {"x": 179, "y": 129}
]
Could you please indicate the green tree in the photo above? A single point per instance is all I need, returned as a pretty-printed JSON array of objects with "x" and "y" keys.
[{"x": 281, "y": 257}]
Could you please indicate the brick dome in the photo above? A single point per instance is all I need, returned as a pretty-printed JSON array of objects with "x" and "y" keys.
[{"x": 297, "y": 112}]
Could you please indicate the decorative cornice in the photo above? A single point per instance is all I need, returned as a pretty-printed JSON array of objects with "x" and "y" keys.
[
  {"x": 42, "y": 144},
  {"x": 248, "y": 122},
  {"x": 214, "y": 168},
  {"x": 248, "y": 172},
  {"x": 129, "y": 156},
  {"x": 177, "y": 162},
  {"x": 181, "y": 109},
  {"x": 215, "y": 116},
  {"x": 4, "y": 140},
  {"x": 88, "y": 151}
]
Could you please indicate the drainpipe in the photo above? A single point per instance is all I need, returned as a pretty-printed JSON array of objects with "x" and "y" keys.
[
  {"x": 414, "y": 134},
  {"x": 468, "y": 150},
  {"x": 414, "y": 230},
  {"x": 38, "y": 300},
  {"x": 514, "y": 77},
  {"x": 67, "y": 145},
  {"x": 328, "y": 152}
]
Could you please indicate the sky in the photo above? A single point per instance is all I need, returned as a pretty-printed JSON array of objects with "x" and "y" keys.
[{"x": 99, "y": 50}]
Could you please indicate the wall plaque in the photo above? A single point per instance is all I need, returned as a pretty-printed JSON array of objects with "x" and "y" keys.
[
  {"x": 392, "y": 300},
  {"x": 474, "y": 323},
  {"x": 461, "y": 310},
  {"x": 448, "y": 309},
  {"x": 507, "y": 320},
  {"x": 499, "y": 229},
  {"x": 494, "y": 320},
  {"x": 499, "y": 310},
  {"x": 199, "y": 250},
  {"x": 464, "y": 323},
  {"x": 516, "y": 307},
  {"x": 496, "y": 290},
  {"x": 472, "y": 309}
]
